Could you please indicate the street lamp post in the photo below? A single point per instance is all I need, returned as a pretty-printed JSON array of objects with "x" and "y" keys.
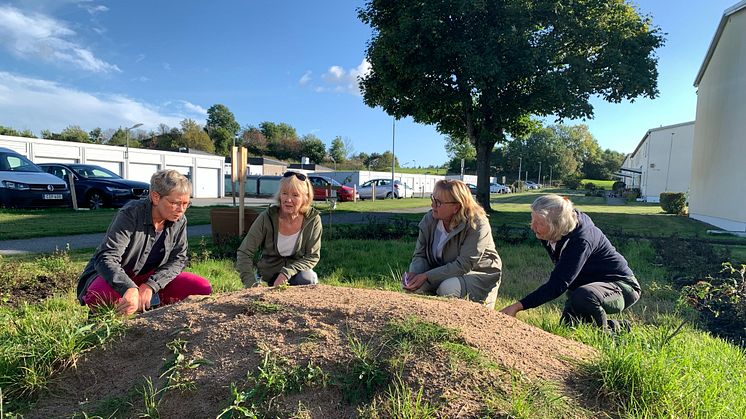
[
  {"x": 520, "y": 161},
  {"x": 127, "y": 148},
  {"x": 539, "y": 179}
]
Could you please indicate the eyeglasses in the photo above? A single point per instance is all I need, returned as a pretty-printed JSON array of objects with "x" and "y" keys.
[
  {"x": 300, "y": 176},
  {"x": 178, "y": 204},
  {"x": 437, "y": 203}
]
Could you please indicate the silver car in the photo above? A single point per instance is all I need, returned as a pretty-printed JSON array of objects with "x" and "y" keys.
[{"x": 383, "y": 189}]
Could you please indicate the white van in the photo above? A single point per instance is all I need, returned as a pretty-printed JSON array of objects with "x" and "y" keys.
[{"x": 24, "y": 185}]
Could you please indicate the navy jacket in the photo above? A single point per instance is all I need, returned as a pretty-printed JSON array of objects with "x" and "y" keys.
[{"x": 581, "y": 257}]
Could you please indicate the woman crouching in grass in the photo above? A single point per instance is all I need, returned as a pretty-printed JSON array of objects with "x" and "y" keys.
[
  {"x": 596, "y": 277},
  {"x": 288, "y": 235},
  {"x": 455, "y": 255},
  {"x": 141, "y": 260}
]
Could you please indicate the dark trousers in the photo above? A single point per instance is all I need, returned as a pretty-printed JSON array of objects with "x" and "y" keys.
[
  {"x": 592, "y": 302},
  {"x": 308, "y": 277}
]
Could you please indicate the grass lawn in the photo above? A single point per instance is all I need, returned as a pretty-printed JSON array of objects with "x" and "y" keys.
[{"x": 658, "y": 370}]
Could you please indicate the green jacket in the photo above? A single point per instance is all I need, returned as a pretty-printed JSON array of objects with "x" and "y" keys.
[
  {"x": 262, "y": 237},
  {"x": 469, "y": 254}
]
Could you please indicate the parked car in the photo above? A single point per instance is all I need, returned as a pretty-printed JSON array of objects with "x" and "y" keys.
[
  {"x": 96, "y": 187},
  {"x": 532, "y": 185},
  {"x": 498, "y": 188},
  {"x": 324, "y": 187},
  {"x": 24, "y": 185},
  {"x": 472, "y": 188},
  {"x": 383, "y": 189}
]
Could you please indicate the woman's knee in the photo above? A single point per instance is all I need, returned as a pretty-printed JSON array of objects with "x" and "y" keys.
[{"x": 451, "y": 287}]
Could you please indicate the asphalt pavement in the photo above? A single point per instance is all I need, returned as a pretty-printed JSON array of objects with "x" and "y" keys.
[{"x": 89, "y": 241}]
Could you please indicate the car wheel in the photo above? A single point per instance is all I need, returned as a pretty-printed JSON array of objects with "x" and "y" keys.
[
  {"x": 95, "y": 200},
  {"x": 388, "y": 195}
]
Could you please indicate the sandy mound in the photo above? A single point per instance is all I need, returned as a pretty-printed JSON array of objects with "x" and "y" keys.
[{"x": 299, "y": 325}]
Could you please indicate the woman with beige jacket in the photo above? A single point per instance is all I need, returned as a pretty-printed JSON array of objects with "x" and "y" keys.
[{"x": 455, "y": 254}]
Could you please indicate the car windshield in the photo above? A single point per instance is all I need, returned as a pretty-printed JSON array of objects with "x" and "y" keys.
[
  {"x": 333, "y": 182},
  {"x": 16, "y": 163},
  {"x": 95, "y": 172}
]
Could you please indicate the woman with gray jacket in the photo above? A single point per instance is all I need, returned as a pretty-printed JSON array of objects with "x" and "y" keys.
[
  {"x": 455, "y": 254},
  {"x": 288, "y": 236}
]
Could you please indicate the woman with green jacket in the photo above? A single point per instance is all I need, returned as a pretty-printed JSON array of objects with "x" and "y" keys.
[
  {"x": 455, "y": 254},
  {"x": 288, "y": 235}
]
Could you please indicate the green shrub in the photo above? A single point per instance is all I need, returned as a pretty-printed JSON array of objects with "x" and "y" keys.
[
  {"x": 618, "y": 186},
  {"x": 673, "y": 202},
  {"x": 590, "y": 186},
  {"x": 571, "y": 182},
  {"x": 631, "y": 194}
]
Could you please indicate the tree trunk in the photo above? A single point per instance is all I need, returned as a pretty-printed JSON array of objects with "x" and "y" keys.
[{"x": 484, "y": 149}]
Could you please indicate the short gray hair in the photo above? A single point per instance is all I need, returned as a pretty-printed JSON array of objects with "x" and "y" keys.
[
  {"x": 166, "y": 181},
  {"x": 559, "y": 214}
]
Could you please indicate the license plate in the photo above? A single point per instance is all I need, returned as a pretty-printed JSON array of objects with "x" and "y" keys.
[{"x": 52, "y": 196}]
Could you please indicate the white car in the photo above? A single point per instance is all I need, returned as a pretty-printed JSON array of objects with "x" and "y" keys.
[
  {"x": 383, "y": 189},
  {"x": 498, "y": 188},
  {"x": 532, "y": 185}
]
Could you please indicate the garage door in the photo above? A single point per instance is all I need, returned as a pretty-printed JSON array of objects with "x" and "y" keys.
[
  {"x": 142, "y": 171},
  {"x": 184, "y": 170},
  {"x": 114, "y": 166},
  {"x": 207, "y": 183}
]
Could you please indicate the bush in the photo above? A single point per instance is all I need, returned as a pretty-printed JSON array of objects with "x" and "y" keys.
[
  {"x": 631, "y": 194},
  {"x": 673, "y": 202},
  {"x": 590, "y": 186},
  {"x": 618, "y": 187},
  {"x": 722, "y": 302},
  {"x": 572, "y": 182}
]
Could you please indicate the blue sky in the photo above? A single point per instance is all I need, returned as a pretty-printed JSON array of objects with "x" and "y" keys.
[{"x": 116, "y": 63}]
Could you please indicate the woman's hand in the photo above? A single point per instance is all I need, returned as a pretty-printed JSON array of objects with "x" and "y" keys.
[
  {"x": 280, "y": 280},
  {"x": 129, "y": 302},
  {"x": 512, "y": 309},
  {"x": 146, "y": 294},
  {"x": 416, "y": 281}
]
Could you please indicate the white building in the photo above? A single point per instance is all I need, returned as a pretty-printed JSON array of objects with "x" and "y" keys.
[
  {"x": 718, "y": 184},
  {"x": 661, "y": 162},
  {"x": 206, "y": 171}
]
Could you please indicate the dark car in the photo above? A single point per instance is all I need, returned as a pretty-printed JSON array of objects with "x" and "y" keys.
[
  {"x": 24, "y": 185},
  {"x": 96, "y": 187},
  {"x": 324, "y": 187}
]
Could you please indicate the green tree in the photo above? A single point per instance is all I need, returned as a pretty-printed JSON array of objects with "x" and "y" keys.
[
  {"x": 222, "y": 128},
  {"x": 75, "y": 134},
  {"x": 193, "y": 136},
  {"x": 96, "y": 136},
  {"x": 254, "y": 141},
  {"x": 459, "y": 148},
  {"x": 119, "y": 138},
  {"x": 313, "y": 148},
  {"x": 14, "y": 132},
  {"x": 479, "y": 69},
  {"x": 282, "y": 140},
  {"x": 338, "y": 150}
]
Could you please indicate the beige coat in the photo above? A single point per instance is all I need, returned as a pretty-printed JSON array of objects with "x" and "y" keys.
[{"x": 469, "y": 254}]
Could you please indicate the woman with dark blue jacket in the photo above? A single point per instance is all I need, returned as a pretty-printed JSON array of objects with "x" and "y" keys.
[{"x": 596, "y": 277}]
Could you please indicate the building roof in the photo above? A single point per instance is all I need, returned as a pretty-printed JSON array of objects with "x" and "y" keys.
[
  {"x": 715, "y": 39},
  {"x": 260, "y": 161},
  {"x": 310, "y": 166},
  {"x": 652, "y": 130}
]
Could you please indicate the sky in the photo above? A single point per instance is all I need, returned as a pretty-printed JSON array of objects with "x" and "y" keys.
[{"x": 113, "y": 64}]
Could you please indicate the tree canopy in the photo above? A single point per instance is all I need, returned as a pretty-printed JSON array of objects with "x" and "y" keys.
[
  {"x": 479, "y": 69},
  {"x": 222, "y": 127}
]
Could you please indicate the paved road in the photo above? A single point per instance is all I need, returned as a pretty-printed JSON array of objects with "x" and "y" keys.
[{"x": 85, "y": 241}]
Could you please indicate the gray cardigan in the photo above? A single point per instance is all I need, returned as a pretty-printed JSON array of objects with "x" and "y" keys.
[
  {"x": 469, "y": 254},
  {"x": 126, "y": 247}
]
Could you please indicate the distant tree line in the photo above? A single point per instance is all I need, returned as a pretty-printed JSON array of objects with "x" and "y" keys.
[{"x": 564, "y": 152}]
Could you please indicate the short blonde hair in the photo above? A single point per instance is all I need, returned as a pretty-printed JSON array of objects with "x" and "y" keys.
[
  {"x": 469, "y": 211},
  {"x": 292, "y": 183},
  {"x": 166, "y": 181},
  {"x": 558, "y": 212}
]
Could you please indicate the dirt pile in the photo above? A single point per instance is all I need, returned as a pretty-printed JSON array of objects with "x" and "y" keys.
[{"x": 317, "y": 351}]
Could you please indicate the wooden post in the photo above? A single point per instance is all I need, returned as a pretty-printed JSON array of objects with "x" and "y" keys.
[
  {"x": 242, "y": 155},
  {"x": 71, "y": 183},
  {"x": 234, "y": 172}
]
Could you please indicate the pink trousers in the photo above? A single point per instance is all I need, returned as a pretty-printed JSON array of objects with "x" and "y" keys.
[{"x": 181, "y": 287}]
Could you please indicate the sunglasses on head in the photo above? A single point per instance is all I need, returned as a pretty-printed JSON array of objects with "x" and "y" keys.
[{"x": 300, "y": 176}]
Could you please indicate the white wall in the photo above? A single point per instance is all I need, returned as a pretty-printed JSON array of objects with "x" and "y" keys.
[
  {"x": 207, "y": 170},
  {"x": 719, "y": 172}
]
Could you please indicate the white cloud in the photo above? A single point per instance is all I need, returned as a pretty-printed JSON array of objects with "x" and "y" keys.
[
  {"x": 305, "y": 78},
  {"x": 167, "y": 66},
  {"x": 337, "y": 79},
  {"x": 191, "y": 107},
  {"x": 37, "y": 36},
  {"x": 40, "y": 104},
  {"x": 139, "y": 58},
  {"x": 93, "y": 8}
]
